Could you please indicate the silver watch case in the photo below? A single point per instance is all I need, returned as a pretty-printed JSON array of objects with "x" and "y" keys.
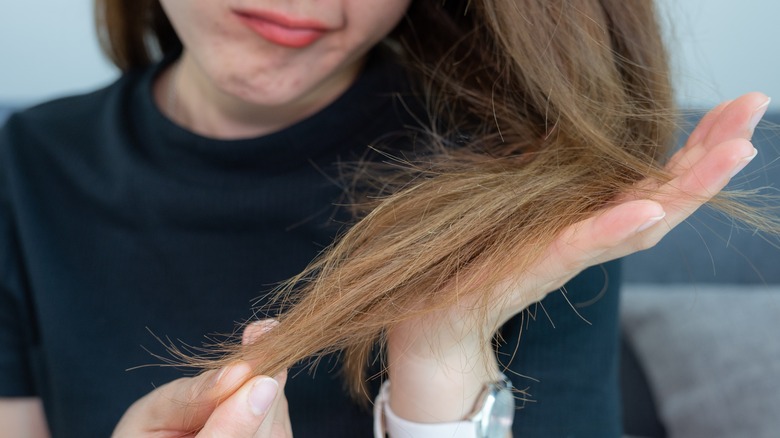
[{"x": 494, "y": 411}]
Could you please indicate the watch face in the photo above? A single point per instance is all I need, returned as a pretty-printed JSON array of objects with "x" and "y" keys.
[{"x": 499, "y": 412}]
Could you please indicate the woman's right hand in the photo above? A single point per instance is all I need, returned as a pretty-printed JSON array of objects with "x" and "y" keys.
[
  {"x": 224, "y": 403},
  {"x": 206, "y": 406}
]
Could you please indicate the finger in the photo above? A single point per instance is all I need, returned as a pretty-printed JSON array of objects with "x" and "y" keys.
[
  {"x": 287, "y": 424},
  {"x": 694, "y": 149},
  {"x": 683, "y": 195},
  {"x": 584, "y": 244},
  {"x": 731, "y": 120},
  {"x": 243, "y": 413},
  {"x": 706, "y": 123},
  {"x": 738, "y": 120},
  {"x": 185, "y": 404},
  {"x": 277, "y": 422},
  {"x": 253, "y": 331},
  {"x": 581, "y": 245}
]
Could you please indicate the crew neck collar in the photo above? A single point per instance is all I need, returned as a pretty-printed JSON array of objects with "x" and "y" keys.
[{"x": 354, "y": 117}]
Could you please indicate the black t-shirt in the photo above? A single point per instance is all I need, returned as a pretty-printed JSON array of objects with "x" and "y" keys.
[{"x": 118, "y": 227}]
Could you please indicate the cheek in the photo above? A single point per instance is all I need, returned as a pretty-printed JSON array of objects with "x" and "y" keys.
[
  {"x": 376, "y": 18},
  {"x": 199, "y": 23}
]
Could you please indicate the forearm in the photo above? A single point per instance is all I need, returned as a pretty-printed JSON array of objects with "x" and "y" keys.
[{"x": 23, "y": 417}]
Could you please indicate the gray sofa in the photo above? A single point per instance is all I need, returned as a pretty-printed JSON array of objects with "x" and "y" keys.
[
  {"x": 5, "y": 111},
  {"x": 701, "y": 321}
]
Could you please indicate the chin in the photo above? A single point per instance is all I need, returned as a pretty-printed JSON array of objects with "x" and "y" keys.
[{"x": 271, "y": 98}]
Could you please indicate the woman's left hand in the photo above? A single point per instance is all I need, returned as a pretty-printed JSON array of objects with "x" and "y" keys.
[{"x": 448, "y": 352}]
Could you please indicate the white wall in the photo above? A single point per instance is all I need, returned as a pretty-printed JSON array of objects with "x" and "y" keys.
[
  {"x": 722, "y": 48},
  {"x": 48, "y": 49}
]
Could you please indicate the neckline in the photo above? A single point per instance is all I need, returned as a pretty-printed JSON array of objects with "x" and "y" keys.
[{"x": 352, "y": 117}]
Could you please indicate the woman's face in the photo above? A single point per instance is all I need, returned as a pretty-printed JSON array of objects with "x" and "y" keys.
[{"x": 280, "y": 52}]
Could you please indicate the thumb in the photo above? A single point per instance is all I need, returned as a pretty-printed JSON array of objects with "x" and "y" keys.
[
  {"x": 245, "y": 411},
  {"x": 183, "y": 405}
]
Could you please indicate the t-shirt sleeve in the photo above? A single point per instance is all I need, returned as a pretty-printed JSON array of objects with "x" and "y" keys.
[{"x": 15, "y": 340}]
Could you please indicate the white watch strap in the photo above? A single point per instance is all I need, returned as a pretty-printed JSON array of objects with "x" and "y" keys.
[{"x": 387, "y": 423}]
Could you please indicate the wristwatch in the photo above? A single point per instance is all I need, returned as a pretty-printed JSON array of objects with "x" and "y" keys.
[
  {"x": 491, "y": 417},
  {"x": 494, "y": 411}
]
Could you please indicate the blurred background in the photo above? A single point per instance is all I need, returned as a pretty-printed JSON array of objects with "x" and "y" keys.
[{"x": 721, "y": 48}]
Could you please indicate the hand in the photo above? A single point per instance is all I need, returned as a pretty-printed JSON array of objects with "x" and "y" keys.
[
  {"x": 716, "y": 150},
  {"x": 438, "y": 364},
  {"x": 222, "y": 403}
]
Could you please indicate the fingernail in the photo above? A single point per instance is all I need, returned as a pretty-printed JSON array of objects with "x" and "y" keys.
[
  {"x": 265, "y": 325},
  {"x": 262, "y": 395},
  {"x": 742, "y": 163},
  {"x": 256, "y": 329},
  {"x": 650, "y": 222},
  {"x": 758, "y": 114},
  {"x": 220, "y": 375}
]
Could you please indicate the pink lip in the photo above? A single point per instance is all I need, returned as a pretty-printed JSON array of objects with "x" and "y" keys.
[{"x": 283, "y": 30}]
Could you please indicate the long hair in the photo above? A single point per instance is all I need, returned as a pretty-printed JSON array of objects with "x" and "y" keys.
[
  {"x": 541, "y": 113},
  {"x": 134, "y": 33}
]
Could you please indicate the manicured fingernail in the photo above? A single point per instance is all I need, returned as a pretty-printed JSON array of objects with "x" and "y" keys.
[
  {"x": 758, "y": 114},
  {"x": 262, "y": 395},
  {"x": 742, "y": 163},
  {"x": 650, "y": 222}
]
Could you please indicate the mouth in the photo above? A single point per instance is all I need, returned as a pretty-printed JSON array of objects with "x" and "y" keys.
[{"x": 283, "y": 30}]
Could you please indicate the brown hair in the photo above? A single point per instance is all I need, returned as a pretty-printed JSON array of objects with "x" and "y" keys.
[
  {"x": 543, "y": 111},
  {"x": 134, "y": 33}
]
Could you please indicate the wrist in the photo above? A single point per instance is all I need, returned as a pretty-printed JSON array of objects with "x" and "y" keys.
[
  {"x": 435, "y": 383},
  {"x": 492, "y": 416}
]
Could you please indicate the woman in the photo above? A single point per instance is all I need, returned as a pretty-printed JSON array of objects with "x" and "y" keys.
[{"x": 208, "y": 177}]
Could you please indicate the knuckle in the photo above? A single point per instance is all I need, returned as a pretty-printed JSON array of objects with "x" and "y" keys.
[
  {"x": 646, "y": 242},
  {"x": 571, "y": 265},
  {"x": 570, "y": 257}
]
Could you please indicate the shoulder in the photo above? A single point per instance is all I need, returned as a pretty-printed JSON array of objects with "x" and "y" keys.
[
  {"x": 68, "y": 115},
  {"x": 68, "y": 125},
  {"x": 68, "y": 138}
]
